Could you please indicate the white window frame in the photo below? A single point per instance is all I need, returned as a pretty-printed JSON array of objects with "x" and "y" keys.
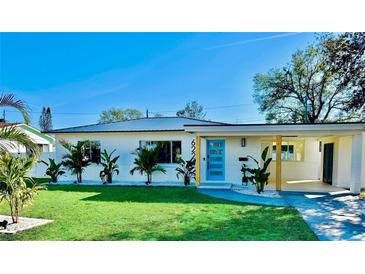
[{"x": 296, "y": 150}]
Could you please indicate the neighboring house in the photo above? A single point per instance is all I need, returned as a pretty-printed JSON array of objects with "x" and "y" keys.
[
  {"x": 330, "y": 153},
  {"x": 44, "y": 141}
]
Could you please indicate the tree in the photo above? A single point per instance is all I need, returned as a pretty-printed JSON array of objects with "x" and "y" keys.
[
  {"x": 9, "y": 100},
  {"x": 118, "y": 114},
  {"x": 304, "y": 91},
  {"x": 10, "y": 135},
  {"x": 45, "y": 120},
  {"x": 75, "y": 159},
  {"x": 346, "y": 57},
  {"x": 192, "y": 110},
  {"x": 146, "y": 162},
  {"x": 15, "y": 187},
  {"x": 110, "y": 167}
]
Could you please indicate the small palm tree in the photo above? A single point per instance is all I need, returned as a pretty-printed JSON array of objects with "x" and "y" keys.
[
  {"x": 146, "y": 162},
  {"x": 10, "y": 135},
  {"x": 75, "y": 160},
  {"x": 110, "y": 166},
  {"x": 15, "y": 187},
  {"x": 186, "y": 170},
  {"x": 54, "y": 170}
]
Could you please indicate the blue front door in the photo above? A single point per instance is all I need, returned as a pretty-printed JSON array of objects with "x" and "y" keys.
[{"x": 215, "y": 160}]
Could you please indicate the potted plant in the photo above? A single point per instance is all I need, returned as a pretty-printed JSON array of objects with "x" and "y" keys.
[
  {"x": 110, "y": 167},
  {"x": 53, "y": 170},
  {"x": 259, "y": 175},
  {"x": 186, "y": 170},
  {"x": 146, "y": 162}
]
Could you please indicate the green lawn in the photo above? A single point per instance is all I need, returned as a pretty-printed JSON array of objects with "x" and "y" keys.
[{"x": 154, "y": 213}]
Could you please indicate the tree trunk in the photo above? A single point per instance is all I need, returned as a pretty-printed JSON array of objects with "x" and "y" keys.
[
  {"x": 12, "y": 213},
  {"x": 79, "y": 177},
  {"x": 110, "y": 178}
]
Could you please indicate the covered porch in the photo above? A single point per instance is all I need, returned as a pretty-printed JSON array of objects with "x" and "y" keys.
[{"x": 314, "y": 158}]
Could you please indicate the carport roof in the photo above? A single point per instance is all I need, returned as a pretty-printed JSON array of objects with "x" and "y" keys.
[{"x": 324, "y": 129}]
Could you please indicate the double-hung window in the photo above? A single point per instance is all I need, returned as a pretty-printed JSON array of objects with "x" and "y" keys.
[{"x": 169, "y": 152}]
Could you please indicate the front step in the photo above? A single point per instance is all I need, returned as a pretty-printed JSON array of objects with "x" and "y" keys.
[{"x": 215, "y": 185}]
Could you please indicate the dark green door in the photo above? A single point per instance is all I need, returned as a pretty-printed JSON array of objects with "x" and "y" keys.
[{"x": 328, "y": 163}]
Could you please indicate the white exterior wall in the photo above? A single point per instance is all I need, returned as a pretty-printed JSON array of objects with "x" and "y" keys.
[
  {"x": 358, "y": 163},
  {"x": 39, "y": 169},
  {"x": 125, "y": 144},
  {"x": 308, "y": 169},
  {"x": 342, "y": 154},
  {"x": 233, "y": 151}
]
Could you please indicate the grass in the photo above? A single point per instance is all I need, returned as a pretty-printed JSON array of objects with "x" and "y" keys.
[{"x": 154, "y": 213}]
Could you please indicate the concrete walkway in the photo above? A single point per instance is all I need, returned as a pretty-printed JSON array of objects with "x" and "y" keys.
[
  {"x": 230, "y": 195},
  {"x": 332, "y": 217}
]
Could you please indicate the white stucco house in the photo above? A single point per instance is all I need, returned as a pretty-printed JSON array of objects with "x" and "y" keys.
[
  {"x": 312, "y": 155},
  {"x": 45, "y": 142}
]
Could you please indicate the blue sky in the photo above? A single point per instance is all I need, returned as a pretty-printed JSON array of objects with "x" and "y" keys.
[{"x": 80, "y": 74}]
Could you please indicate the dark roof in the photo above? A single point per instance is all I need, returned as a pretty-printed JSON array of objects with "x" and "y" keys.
[{"x": 138, "y": 125}]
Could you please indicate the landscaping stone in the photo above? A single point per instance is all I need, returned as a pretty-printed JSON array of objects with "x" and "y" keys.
[
  {"x": 24, "y": 224},
  {"x": 251, "y": 190}
]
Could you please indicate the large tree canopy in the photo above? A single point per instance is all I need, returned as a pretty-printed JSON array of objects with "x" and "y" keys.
[
  {"x": 346, "y": 57},
  {"x": 119, "y": 114},
  {"x": 192, "y": 110},
  {"x": 309, "y": 89}
]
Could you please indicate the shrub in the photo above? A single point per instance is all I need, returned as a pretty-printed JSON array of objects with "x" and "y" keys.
[{"x": 259, "y": 175}]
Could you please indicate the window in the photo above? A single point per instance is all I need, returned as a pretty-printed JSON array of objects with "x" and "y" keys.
[
  {"x": 92, "y": 151},
  {"x": 290, "y": 151},
  {"x": 168, "y": 151}
]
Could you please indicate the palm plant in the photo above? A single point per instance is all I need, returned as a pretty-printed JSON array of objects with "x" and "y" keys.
[
  {"x": 10, "y": 135},
  {"x": 186, "y": 170},
  {"x": 259, "y": 175},
  {"x": 75, "y": 159},
  {"x": 110, "y": 166},
  {"x": 9, "y": 100},
  {"x": 146, "y": 162},
  {"x": 53, "y": 170},
  {"x": 15, "y": 187}
]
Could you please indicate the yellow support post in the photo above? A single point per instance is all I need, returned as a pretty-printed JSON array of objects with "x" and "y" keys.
[
  {"x": 278, "y": 162},
  {"x": 197, "y": 161}
]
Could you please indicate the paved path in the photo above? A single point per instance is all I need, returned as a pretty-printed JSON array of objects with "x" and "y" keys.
[
  {"x": 239, "y": 197},
  {"x": 331, "y": 217}
]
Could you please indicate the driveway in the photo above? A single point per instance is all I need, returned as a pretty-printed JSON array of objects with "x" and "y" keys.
[{"x": 331, "y": 217}]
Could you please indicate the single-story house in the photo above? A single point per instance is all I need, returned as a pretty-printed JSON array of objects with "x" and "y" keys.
[
  {"x": 327, "y": 154},
  {"x": 44, "y": 141}
]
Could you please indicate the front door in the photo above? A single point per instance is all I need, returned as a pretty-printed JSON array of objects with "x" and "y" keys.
[
  {"x": 215, "y": 162},
  {"x": 328, "y": 163}
]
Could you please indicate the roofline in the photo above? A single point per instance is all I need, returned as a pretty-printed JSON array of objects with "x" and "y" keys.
[
  {"x": 95, "y": 124},
  {"x": 278, "y": 124},
  {"x": 120, "y": 131}
]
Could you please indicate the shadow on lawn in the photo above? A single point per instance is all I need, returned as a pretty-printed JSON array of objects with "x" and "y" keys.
[{"x": 141, "y": 194}]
